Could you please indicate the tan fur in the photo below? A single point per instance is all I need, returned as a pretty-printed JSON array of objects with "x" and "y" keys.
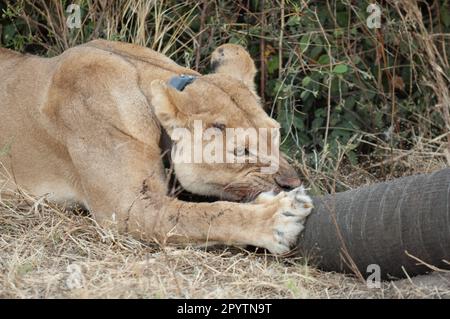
[
  {"x": 84, "y": 127},
  {"x": 234, "y": 60}
]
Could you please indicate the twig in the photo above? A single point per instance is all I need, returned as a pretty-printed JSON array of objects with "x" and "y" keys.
[
  {"x": 200, "y": 35},
  {"x": 434, "y": 268},
  {"x": 262, "y": 51}
]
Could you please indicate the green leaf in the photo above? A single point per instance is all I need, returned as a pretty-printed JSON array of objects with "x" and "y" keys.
[
  {"x": 304, "y": 95},
  {"x": 340, "y": 69},
  {"x": 349, "y": 102},
  {"x": 315, "y": 52},
  {"x": 320, "y": 113},
  {"x": 306, "y": 80},
  {"x": 324, "y": 59},
  {"x": 317, "y": 123},
  {"x": 342, "y": 18},
  {"x": 304, "y": 42},
  {"x": 298, "y": 123},
  {"x": 293, "y": 21},
  {"x": 272, "y": 64}
]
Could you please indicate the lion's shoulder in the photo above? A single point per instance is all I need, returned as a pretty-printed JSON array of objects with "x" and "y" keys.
[
  {"x": 4, "y": 52},
  {"x": 136, "y": 53}
]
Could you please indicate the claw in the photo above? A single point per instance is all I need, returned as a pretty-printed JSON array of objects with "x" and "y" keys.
[
  {"x": 294, "y": 207},
  {"x": 308, "y": 205},
  {"x": 289, "y": 214}
]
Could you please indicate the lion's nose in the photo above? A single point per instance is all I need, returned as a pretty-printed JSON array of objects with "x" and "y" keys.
[{"x": 288, "y": 182}]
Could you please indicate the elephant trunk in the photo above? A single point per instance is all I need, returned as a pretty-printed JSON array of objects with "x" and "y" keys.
[{"x": 392, "y": 225}]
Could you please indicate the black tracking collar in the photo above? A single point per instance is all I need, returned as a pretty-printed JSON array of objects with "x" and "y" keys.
[{"x": 179, "y": 82}]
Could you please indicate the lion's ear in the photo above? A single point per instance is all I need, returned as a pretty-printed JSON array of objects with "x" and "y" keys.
[
  {"x": 234, "y": 60},
  {"x": 174, "y": 101},
  {"x": 165, "y": 106}
]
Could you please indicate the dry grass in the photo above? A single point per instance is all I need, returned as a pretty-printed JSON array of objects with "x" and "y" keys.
[
  {"x": 327, "y": 174},
  {"x": 41, "y": 245}
]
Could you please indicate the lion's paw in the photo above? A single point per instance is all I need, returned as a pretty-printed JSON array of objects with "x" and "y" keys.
[{"x": 288, "y": 218}]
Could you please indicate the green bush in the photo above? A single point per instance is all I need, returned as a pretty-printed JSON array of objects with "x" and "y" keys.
[{"x": 334, "y": 84}]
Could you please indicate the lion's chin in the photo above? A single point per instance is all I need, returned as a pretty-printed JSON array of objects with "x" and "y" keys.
[
  {"x": 231, "y": 194},
  {"x": 245, "y": 196},
  {"x": 238, "y": 198}
]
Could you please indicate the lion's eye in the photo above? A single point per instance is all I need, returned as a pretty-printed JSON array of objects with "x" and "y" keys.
[{"x": 219, "y": 126}]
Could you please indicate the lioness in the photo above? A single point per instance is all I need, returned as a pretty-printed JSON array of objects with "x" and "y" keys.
[{"x": 85, "y": 127}]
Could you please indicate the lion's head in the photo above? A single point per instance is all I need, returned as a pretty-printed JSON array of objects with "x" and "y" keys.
[{"x": 211, "y": 106}]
